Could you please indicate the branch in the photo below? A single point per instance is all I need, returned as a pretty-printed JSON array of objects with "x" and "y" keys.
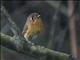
[
  {"x": 15, "y": 29},
  {"x": 72, "y": 27},
  {"x": 36, "y": 51}
]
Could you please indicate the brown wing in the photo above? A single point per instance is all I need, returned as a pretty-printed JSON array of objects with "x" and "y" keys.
[
  {"x": 24, "y": 29},
  {"x": 26, "y": 25}
]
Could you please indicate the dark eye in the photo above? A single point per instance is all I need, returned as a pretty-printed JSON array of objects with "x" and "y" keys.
[{"x": 33, "y": 19}]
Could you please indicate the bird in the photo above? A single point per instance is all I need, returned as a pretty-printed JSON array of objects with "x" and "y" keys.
[{"x": 34, "y": 26}]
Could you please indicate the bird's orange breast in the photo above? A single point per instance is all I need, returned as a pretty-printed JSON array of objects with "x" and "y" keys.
[{"x": 34, "y": 27}]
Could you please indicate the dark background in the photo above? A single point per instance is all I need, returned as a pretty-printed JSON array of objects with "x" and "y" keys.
[{"x": 55, "y": 18}]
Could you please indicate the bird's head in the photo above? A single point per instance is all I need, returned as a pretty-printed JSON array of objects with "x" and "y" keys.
[{"x": 34, "y": 16}]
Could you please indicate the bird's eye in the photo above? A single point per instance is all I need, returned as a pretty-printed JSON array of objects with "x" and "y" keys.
[{"x": 33, "y": 19}]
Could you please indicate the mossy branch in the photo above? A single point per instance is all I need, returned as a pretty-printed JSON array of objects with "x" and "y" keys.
[{"x": 33, "y": 50}]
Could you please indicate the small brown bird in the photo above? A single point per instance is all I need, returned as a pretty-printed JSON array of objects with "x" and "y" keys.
[{"x": 33, "y": 26}]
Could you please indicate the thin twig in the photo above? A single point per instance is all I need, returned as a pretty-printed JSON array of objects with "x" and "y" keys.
[
  {"x": 11, "y": 23},
  {"x": 71, "y": 14},
  {"x": 15, "y": 29}
]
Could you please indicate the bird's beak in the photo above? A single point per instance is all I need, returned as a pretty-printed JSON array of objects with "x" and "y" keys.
[{"x": 38, "y": 16}]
